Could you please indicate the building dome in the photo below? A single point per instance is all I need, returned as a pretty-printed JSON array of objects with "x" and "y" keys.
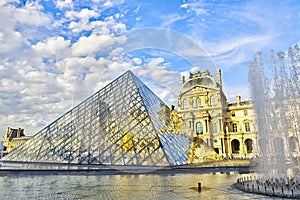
[{"x": 204, "y": 81}]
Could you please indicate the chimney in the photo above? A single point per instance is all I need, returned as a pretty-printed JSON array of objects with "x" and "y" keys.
[
  {"x": 182, "y": 80},
  {"x": 7, "y": 131},
  {"x": 219, "y": 77},
  {"x": 238, "y": 99},
  {"x": 19, "y": 132},
  {"x": 172, "y": 107}
]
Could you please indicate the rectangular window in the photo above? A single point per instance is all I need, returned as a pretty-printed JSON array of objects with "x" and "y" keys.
[
  {"x": 214, "y": 128},
  {"x": 198, "y": 102},
  {"x": 234, "y": 127},
  {"x": 212, "y": 101},
  {"x": 247, "y": 127},
  {"x": 185, "y": 104}
]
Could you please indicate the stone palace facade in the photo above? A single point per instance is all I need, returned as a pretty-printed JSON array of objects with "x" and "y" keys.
[{"x": 226, "y": 127}]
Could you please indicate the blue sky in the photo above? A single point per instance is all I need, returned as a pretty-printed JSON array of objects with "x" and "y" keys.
[{"x": 55, "y": 53}]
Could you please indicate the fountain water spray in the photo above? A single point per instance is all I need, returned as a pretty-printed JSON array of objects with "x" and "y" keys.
[{"x": 275, "y": 91}]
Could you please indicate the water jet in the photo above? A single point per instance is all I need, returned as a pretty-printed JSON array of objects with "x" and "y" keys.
[{"x": 275, "y": 92}]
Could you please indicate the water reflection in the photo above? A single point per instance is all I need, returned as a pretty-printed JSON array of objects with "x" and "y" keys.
[{"x": 179, "y": 186}]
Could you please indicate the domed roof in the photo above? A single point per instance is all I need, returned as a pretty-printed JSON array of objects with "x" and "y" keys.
[{"x": 206, "y": 81}]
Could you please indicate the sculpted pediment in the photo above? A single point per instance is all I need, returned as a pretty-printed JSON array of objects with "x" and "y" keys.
[{"x": 198, "y": 89}]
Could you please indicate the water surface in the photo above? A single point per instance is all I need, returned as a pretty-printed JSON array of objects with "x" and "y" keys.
[{"x": 162, "y": 186}]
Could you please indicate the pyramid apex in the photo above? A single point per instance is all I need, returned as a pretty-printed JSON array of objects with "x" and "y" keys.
[{"x": 129, "y": 71}]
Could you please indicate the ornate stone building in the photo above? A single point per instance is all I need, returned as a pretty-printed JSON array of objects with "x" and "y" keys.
[
  {"x": 226, "y": 127},
  {"x": 12, "y": 139}
]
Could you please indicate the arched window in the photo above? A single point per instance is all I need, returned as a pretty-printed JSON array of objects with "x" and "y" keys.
[
  {"x": 212, "y": 100},
  {"x": 245, "y": 112},
  {"x": 235, "y": 146},
  {"x": 198, "y": 102},
  {"x": 199, "y": 128},
  {"x": 249, "y": 145},
  {"x": 233, "y": 114}
]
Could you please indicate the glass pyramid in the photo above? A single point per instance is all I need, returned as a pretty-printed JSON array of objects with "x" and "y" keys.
[{"x": 118, "y": 125}]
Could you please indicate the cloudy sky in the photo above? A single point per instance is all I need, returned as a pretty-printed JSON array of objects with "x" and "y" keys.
[{"x": 55, "y": 53}]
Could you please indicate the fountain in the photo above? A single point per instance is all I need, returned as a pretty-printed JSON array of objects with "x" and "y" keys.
[
  {"x": 275, "y": 91},
  {"x": 1, "y": 152}
]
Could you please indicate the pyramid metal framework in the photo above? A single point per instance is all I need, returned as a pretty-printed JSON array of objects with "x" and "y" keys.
[{"x": 118, "y": 125}]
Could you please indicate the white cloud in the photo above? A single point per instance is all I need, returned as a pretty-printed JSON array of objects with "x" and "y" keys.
[
  {"x": 52, "y": 46},
  {"x": 237, "y": 50},
  {"x": 4, "y": 2},
  {"x": 31, "y": 14},
  {"x": 91, "y": 44},
  {"x": 161, "y": 79},
  {"x": 80, "y": 26},
  {"x": 185, "y": 5},
  {"x": 60, "y": 4},
  {"x": 137, "y": 61},
  {"x": 84, "y": 14},
  {"x": 28, "y": 17},
  {"x": 153, "y": 62},
  {"x": 88, "y": 45},
  {"x": 108, "y": 4},
  {"x": 5, "y": 41},
  {"x": 197, "y": 7},
  {"x": 239, "y": 42},
  {"x": 40, "y": 82},
  {"x": 54, "y": 74},
  {"x": 116, "y": 53},
  {"x": 80, "y": 20},
  {"x": 29, "y": 95}
]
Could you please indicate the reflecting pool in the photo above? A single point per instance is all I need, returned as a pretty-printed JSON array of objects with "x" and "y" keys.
[{"x": 162, "y": 186}]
